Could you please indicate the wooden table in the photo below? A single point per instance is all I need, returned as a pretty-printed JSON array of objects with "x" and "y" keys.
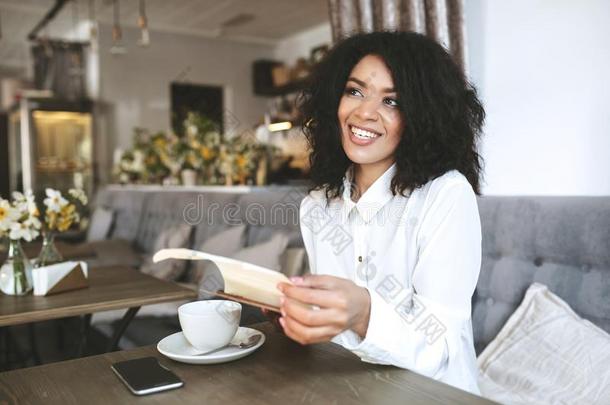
[
  {"x": 280, "y": 372},
  {"x": 109, "y": 288}
]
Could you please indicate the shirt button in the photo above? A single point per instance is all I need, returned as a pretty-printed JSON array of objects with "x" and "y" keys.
[{"x": 360, "y": 259}]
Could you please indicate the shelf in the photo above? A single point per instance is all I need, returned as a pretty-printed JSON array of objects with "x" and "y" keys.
[{"x": 288, "y": 88}]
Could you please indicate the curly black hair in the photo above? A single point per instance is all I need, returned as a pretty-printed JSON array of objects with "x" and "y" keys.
[{"x": 443, "y": 114}]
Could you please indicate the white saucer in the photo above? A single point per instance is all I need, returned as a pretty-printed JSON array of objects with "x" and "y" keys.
[{"x": 176, "y": 347}]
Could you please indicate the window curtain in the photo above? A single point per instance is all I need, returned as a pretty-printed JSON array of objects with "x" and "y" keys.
[{"x": 441, "y": 20}]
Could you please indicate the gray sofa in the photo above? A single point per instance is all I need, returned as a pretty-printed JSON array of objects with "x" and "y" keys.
[{"x": 563, "y": 242}]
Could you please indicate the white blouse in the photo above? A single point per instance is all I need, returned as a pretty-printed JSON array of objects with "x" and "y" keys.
[{"x": 419, "y": 258}]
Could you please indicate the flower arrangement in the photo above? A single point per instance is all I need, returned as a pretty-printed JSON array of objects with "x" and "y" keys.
[
  {"x": 144, "y": 163},
  {"x": 18, "y": 220},
  {"x": 19, "y": 217},
  {"x": 201, "y": 149},
  {"x": 60, "y": 213}
]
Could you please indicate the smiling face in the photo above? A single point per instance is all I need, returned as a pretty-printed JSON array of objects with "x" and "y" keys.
[{"x": 369, "y": 117}]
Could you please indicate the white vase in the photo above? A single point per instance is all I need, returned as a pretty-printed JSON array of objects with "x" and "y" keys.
[{"x": 189, "y": 177}]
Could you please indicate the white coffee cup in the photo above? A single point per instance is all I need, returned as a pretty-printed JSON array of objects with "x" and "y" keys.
[{"x": 211, "y": 324}]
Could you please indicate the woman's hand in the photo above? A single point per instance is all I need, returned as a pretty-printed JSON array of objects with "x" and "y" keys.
[{"x": 317, "y": 308}]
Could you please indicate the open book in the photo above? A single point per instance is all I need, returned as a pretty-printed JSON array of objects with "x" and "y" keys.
[{"x": 244, "y": 282}]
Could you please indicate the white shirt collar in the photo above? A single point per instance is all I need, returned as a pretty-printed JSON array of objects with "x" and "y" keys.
[{"x": 373, "y": 199}]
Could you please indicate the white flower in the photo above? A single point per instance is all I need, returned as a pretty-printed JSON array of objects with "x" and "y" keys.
[
  {"x": 54, "y": 201},
  {"x": 213, "y": 137},
  {"x": 8, "y": 215},
  {"x": 20, "y": 203},
  {"x": 192, "y": 130},
  {"x": 22, "y": 231},
  {"x": 138, "y": 162},
  {"x": 78, "y": 194},
  {"x": 18, "y": 196},
  {"x": 32, "y": 222},
  {"x": 29, "y": 203}
]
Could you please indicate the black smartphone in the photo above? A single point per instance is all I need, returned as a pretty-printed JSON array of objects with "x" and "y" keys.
[{"x": 146, "y": 376}]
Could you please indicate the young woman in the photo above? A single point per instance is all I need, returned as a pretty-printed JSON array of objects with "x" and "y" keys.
[{"x": 391, "y": 226}]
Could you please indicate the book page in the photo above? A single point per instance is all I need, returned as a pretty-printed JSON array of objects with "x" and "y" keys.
[{"x": 241, "y": 279}]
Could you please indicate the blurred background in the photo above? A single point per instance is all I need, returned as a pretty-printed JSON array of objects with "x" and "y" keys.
[{"x": 86, "y": 87}]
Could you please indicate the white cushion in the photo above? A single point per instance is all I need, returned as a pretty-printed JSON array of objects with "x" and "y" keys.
[
  {"x": 100, "y": 224},
  {"x": 546, "y": 354}
]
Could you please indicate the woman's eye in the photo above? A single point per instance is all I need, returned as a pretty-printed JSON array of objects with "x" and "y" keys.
[
  {"x": 391, "y": 102},
  {"x": 353, "y": 91}
]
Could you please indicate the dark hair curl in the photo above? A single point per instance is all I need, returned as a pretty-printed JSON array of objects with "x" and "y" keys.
[{"x": 442, "y": 114}]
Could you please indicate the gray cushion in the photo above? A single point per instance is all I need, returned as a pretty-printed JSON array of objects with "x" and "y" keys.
[
  {"x": 267, "y": 254},
  {"x": 173, "y": 237}
]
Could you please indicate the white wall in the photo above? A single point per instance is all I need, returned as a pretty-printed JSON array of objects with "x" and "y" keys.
[
  {"x": 541, "y": 67},
  {"x": 300, "y": 44},
  {"x": 136, "y": 85}
]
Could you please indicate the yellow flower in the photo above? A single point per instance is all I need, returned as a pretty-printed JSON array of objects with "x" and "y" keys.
[
  {"x": 160, "y": 143},
  {"x": 64, "y": 219},
  {"x": 241, "y": 161},
  {"x": 192, "y": 159},
  {"x": 67, "y": 210},
  {"x": 64, "y": 224},
  {"x": 51, "y": 219},
  {"x": 206, "y": 152}
]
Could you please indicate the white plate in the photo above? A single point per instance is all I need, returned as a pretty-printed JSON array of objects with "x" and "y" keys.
[{"x": 176, "y": 347}]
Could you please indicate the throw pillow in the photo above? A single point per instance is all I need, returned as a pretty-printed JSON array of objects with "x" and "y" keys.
[
  {"x": 223, "y": 243},
  {"x": 176, "y": 236},
  {"x": 546, "y": 353},
  {"x": 266, "y": 254}
]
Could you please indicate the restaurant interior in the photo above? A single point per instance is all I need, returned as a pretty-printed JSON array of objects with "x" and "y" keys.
[{"x": 132, "y": 126}]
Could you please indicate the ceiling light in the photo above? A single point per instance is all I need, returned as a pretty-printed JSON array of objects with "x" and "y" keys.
[
  {"x": 143, "y": 24},
  {"x": 117, "y": 34}
]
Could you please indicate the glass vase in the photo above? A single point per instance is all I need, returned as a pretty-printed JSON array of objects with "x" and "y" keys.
[
  {"x": 48, "y": 253},
  {"x": 16, "y": 272}
]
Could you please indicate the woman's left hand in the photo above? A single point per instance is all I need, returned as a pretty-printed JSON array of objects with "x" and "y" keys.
[{"x": 316, "y": 308}]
